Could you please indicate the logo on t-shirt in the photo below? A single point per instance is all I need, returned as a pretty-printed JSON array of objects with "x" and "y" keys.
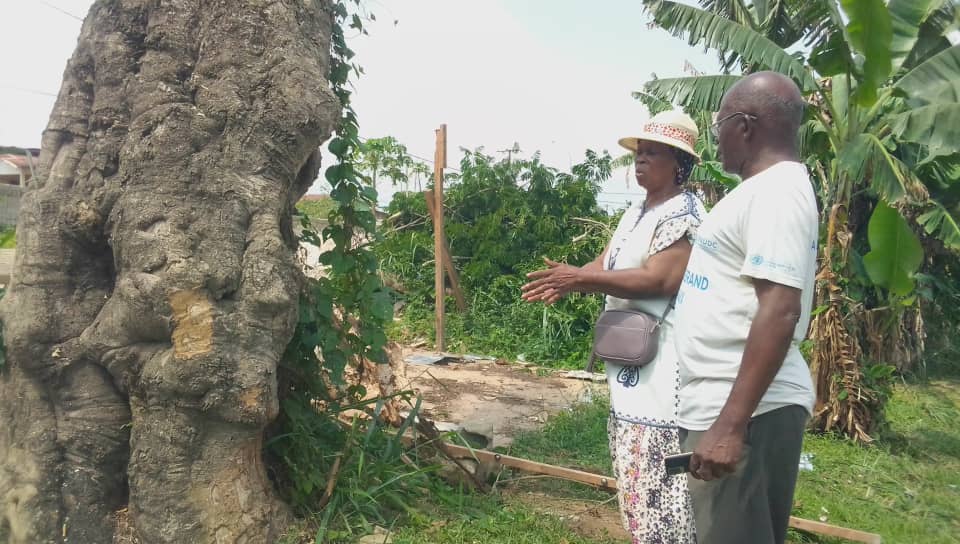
[
  {"x": 708, "y": 244},
  {"x": 758, "y": 261}
]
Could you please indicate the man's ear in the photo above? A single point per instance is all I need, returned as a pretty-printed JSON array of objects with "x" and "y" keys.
[{"x": 746, "y": 128}]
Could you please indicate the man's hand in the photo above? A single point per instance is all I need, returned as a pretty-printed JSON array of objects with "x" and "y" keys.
[
  {"x": 718, "y": 452},
  {"x": 551, "y": 284}
]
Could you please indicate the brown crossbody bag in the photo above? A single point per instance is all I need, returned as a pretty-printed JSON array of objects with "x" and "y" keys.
[{"x": 628, "y": 337}]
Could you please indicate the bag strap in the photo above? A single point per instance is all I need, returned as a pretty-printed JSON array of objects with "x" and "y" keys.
[
  {"x": 666, "y": 312},
  {"x": 663, "y": 317}
]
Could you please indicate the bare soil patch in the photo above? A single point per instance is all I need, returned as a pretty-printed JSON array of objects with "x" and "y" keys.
[{"x": 493, "y": 398}]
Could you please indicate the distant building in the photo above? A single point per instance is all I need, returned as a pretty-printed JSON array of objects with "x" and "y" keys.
[{"x": 18, "y": 169}]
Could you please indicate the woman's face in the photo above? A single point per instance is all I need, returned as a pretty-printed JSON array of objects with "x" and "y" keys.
[{"x": 655, "y": 165}]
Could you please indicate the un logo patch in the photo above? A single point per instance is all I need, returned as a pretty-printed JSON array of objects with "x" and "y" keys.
[{"x": 756, "y": 260}]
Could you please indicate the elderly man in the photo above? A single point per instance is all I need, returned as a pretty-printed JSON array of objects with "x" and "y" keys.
[{"x": 745, "y": 389}]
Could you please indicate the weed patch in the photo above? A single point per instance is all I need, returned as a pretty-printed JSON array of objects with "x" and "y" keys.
[
  {"x": 8, "y": 238},
  {"x": 905, "y": 487}
]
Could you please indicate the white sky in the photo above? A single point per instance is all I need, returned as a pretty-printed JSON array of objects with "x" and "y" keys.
[{"x": 552, "y": 75}]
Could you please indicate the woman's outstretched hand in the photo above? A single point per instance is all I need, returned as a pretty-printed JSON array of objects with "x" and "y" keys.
[{"x": 551, "y": 284}]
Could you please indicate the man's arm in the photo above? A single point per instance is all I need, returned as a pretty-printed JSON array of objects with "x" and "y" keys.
[{"x": 778, "y": 309}]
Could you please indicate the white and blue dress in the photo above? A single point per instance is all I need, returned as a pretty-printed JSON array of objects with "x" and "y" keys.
[{"x": 656, "y": 507}]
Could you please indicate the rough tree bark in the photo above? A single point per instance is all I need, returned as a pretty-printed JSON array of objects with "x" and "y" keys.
[{"x": 155, "y": 286}]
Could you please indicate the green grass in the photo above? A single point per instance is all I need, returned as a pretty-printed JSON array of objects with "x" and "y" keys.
[
  {"x": 575, "y": 438},
  {"x": 8, "y": 238},
  {"x": 551, "y": 336},
  {"x": 317, "y": 210},
  {"x": 906, "y": 486},
  {"x": 511, "y": 524}
]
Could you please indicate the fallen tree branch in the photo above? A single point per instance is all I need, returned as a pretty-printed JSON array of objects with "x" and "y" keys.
[
  {"x": 331, "y": 483},
  {"x": 593, "y": 222},
  {"x": 429, "y": 429}
]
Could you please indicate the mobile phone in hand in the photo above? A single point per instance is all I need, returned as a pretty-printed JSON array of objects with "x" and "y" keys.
[{"x": 678, "y": 464}]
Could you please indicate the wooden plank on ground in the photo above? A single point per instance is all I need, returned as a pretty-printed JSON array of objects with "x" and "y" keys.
[
  {"x": 489, "y": 457},
  {"x": 485, "y": 457},
  {"x": 832, "y": 530}
]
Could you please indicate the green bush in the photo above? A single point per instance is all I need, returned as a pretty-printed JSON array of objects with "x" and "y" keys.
[
  {"x": 502, "y": 217},
  {"x": 940, "y": 292},
  {"x": 317, "y": 210}
]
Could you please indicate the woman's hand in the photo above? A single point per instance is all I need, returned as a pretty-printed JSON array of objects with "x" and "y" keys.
[{"x": 551, "y": 284}]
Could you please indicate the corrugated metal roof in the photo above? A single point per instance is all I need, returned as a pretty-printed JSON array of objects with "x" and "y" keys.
[{"x": 19, "y": 161}]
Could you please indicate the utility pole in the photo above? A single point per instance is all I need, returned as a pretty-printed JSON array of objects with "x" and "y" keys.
[{"x": 510, "y": 152}]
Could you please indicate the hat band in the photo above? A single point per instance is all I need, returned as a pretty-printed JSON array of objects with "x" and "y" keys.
[{"x": 671, "y": 131}]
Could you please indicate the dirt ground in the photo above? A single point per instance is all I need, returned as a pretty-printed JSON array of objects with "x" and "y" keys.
[
  {"x": 494, "y": 399},
  {"x": 587, "y": 518}
]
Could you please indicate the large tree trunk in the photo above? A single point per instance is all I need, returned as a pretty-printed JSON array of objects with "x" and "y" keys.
[{"x": 155, "y": 286}]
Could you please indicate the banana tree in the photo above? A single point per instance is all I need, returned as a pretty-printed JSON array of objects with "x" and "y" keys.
[
  {"x": 881, "y": 140},
  {"x": 784, "y": 22}
]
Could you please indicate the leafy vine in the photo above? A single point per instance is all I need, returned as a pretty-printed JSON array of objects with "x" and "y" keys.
[{"x": 341, "y": 317}]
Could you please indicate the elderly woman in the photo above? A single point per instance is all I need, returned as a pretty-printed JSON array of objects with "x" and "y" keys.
[{"x": 641, "y": 269}]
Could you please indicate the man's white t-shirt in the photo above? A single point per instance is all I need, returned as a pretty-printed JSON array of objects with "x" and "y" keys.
[{"x": 766, "y": 228}]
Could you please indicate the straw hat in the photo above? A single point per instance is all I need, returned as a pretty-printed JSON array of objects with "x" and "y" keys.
[{"x": 673, "y": 128}]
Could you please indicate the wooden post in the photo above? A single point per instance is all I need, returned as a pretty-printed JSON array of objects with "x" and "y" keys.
[
  {"x": 591, "y": 361},
  {"x": 439, "y": 163},
  {"x": 448, "y": 261}
]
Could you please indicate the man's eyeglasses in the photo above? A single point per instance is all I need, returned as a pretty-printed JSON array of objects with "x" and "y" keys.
[{"x": 715, "y": 127}]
